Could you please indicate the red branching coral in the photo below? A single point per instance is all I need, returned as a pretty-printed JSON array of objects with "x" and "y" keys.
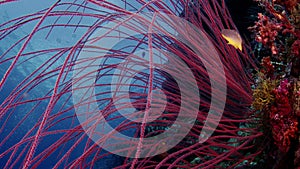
[
  {"x": 295, "y": 49},
  {"x": 297, "y": 112},
  {"x": 267, "y": 67},
  {"x": 267, "y": 31},
  {"x": 288, "y": 4},
  {"x": 283, "y": 120}
]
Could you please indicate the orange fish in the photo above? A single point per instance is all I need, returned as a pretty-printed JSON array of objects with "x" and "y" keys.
[{"x": 233, "y": 38}]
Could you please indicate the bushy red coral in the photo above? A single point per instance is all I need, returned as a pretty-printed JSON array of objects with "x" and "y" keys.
[
  {"x": 295, "y": 49},
  {"x": 266, "y": 32},
  {"x": 288, "y": 4},
  {"x": 283, "y": 121},
  {"x": 284, "y": 133},
  {"x": 267, "y": 67}
]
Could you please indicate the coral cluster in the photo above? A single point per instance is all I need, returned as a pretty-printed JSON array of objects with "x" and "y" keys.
[
  {"x": 277, "y": 91},
  {"x": 288, "y": 4},
  {"x": 283, "y": 120},
  {"x": 267, "y": 31}
]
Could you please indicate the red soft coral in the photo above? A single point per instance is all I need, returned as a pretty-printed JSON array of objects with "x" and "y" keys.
[
  {"x": 296, "y": 48},
  {"x": 268, "y": 67},
  {"x": 288, "y": 4},
  {"x": 267, "y": 31},
  {"x": 283, "y": 120}
]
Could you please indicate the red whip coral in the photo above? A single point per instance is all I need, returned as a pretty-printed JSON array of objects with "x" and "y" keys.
[{"x": 42, "y": 71}]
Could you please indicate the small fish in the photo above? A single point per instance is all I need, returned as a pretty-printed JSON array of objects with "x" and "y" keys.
[{"x": 233, "y": 38}]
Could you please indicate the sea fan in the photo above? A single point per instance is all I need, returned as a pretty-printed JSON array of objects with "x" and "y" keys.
[{"x": 85, "y": 82}]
